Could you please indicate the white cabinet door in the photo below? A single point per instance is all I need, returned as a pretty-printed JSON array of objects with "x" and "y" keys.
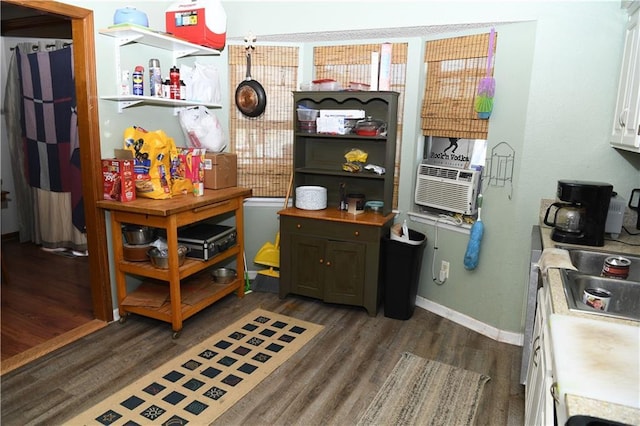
[
  {"x": 535, "y": 375},
  {"x": 539, "y": 402},
  {"x": 626, "y": 122}
]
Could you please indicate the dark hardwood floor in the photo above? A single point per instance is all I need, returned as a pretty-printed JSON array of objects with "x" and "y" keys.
[
  {"x": 329, "y": 382},
  {"x": 44, "y": 295}
]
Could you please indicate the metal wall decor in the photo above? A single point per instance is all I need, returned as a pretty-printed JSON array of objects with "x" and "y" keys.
[{"x": 501, "y": 166}]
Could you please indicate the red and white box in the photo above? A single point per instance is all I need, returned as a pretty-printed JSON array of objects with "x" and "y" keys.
[
  {"x": 202, "y": 22},
  {"x": 118, "y": 179}
]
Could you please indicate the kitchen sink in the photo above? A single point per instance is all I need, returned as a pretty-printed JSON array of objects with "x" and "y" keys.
[
  {"x": 591, "y": 261},
  {"x": 625, "y": 293}
]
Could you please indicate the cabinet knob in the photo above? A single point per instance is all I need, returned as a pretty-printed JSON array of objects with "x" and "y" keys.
[
  {"x": 357, "y": 233},
  {"x": 321, "y": 261},
  {"x": 328, "y": 264},
  {"x": 298, "y": 226}
]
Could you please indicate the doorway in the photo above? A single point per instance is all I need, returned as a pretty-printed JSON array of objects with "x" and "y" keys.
[{"x": 50, "y": 19}]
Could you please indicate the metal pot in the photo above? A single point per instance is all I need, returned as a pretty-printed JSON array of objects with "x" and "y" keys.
[
  {"x": 160, "y": 258},
  {"x": 567, "y": 217},
  {"x": 224, "y": 275},
  {"x": 251, "y": 98}
]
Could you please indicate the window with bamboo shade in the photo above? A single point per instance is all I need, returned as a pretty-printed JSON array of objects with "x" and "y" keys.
[
  {"x": 455, "y": 67},
  {"x": 352, "y": 63},
  {"x": 264, "y": 144}
]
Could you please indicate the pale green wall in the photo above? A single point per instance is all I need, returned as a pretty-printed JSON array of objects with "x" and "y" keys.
[{"x": 556, "y": 80}]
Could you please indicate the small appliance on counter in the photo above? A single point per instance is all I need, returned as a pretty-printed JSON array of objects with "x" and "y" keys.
[
  {"x": 581, "y": 212},
  {"x": 615, "y": 215}
]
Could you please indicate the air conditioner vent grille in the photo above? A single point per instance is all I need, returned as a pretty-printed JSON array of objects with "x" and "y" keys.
[
  {"x": 447, "y": 188},
  {"x": 440, "y": 172}
]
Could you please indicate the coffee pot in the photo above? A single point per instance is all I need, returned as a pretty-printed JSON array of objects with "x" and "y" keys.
[
  {"x": 568, "y": 217},
  {"x": 581, "y": 212}
]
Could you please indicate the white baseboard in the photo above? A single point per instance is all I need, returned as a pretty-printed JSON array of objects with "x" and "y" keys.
[
  {"x": 471, "y": 323},
  {"x": 462, "y": 319}
]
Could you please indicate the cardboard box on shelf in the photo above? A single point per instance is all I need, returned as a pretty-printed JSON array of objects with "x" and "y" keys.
[
  {"x": 220, "y": 170},
  {"x": 118, "y": 178}
]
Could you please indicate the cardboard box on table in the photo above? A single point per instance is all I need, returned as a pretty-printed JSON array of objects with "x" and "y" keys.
[
  {"x": 220, "y": 170},
  {"x": 118, "y": 178}
]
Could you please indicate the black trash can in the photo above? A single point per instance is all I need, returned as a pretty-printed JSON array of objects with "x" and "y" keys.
[{"x": 402, "y": 261}]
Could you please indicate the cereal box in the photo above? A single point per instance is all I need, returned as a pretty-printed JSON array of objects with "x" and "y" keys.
[{"x": 118, "y": 179}]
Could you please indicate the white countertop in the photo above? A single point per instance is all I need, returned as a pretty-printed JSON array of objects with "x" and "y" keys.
[{"x": 579, "y": 399}]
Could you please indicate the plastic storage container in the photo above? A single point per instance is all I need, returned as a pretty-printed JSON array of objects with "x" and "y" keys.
[
  {"x": 307, "y": 120},
  {"x": 401, "y": 265}
]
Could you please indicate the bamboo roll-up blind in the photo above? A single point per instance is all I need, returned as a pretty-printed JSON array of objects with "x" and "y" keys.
[
  {"x": 454, "y": 69},
  {"x": 264, "y": 144},
  {"x": 352, "y": 63}
]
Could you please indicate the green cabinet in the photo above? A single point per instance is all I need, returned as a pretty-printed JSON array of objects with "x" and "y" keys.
[
  {"x": 335, "y": 258},
  {"x": 327, "y": 269},
  {"x": 331, "y": 254},
  {"x": 318, "y": 157}
]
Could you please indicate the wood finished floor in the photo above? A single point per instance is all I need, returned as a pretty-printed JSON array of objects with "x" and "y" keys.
[
  {"x": 329, "y": 382},
  {"x": 44, "y": 296}
]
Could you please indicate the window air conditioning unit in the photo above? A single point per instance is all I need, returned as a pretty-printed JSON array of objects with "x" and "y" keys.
[{"x": 447, "y": 188}]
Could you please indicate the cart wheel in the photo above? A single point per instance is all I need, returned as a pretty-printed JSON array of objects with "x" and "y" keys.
[
  {"x": 123, "y": 319},
  {"x": 176, "y": 334}
]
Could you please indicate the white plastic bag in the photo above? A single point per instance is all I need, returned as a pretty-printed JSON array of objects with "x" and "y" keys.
[
  {"x": 203, "y": 83},
  {"x": 202, "y": 129}
]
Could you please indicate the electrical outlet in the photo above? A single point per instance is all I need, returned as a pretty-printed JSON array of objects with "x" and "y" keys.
[{"x": 444, "y": 270}]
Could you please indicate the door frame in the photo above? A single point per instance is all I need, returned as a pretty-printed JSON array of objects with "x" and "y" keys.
[{"x": 84, "y": 62}]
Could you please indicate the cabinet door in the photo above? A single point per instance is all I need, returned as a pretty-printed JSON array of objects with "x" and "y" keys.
[
  {"x": 630, "y": 135},
  {"x": 626, "y": 123},
  {"x": 344, "y": 272},
  {"x": 534, "y": 391},
  {"x": 307, "y": 266}
]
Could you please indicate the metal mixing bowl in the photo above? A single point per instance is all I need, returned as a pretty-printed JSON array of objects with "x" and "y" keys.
[
  {"x": 224, "y": 275},
  {"x": 138, "y": 235},
  {"x": 160, "y": 258}
]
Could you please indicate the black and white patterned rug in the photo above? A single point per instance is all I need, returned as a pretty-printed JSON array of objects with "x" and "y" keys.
[{"x": 202, "y": 383}]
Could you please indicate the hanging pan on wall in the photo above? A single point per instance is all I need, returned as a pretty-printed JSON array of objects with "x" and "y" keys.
[{"x": 251, "y": 98}]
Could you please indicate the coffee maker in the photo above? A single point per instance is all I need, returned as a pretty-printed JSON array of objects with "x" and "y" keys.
[{"x": 581, "y": 213}]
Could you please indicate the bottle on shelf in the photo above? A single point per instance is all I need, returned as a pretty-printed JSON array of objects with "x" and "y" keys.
[
  {"x": 138, "y": 79},
  {"x": 174, "y": 82},
  {"x": 155, "y": 78}
]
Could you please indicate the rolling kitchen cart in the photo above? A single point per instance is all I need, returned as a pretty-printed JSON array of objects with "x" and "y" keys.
[{"x": 169, "y": 215}]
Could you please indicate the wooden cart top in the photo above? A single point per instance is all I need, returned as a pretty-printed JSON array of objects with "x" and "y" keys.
[
  {"x": 335, "y": 215},
  {"x": 175, "y": 204}
]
